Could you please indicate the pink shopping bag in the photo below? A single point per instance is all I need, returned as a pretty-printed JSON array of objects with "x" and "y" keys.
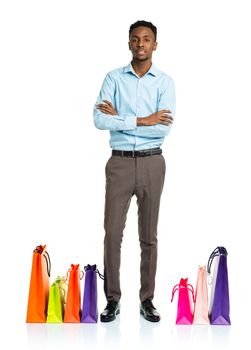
[
  {"x": 185, "y": 308},
  {"x": 201, "y": 298}
]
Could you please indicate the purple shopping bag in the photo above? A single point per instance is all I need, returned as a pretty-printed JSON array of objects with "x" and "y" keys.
[
  {"x": 90, "y": 308},
  {"x": 219, "y": 313}
]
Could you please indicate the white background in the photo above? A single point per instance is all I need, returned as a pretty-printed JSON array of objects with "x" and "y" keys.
[{"x": 54, "y": 56}]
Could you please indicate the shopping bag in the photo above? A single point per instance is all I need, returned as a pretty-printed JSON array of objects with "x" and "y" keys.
[
  {"x": 201, "y": 298},
  {"x": 39, "y": 286},
  {"x": 72, "y": 306},
  {"x": 220, "y": 312},
  {"x": 185, "y": 308},
  {"x": 57, "y": 296},
  {"x": 90, "y": 309},
  {"x": 212, "y": 281}
]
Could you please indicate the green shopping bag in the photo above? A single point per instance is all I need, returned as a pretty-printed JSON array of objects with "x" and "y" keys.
[{"x": 58, "y": 291}]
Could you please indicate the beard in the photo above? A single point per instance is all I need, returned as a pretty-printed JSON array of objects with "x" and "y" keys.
[{"x": 140, "y": 59}]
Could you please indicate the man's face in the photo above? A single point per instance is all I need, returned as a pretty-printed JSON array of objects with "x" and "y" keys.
[{"x": 142, "y": 43}]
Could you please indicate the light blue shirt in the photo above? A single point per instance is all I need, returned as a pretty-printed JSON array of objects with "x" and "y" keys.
[{"x": 133, "y": 96}]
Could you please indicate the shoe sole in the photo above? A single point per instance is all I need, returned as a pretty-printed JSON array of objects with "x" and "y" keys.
[{"x": 111, "y": 319}]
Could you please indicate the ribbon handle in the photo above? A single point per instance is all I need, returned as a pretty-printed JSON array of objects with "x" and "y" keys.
[
  {"x": 175, "y": 288},
  {"x": 100, "y": 275},
  {"x": 191, "y": 289},
  {"x": 94, "y": 268},
  {"x": 182, "y": 285},
  {"x": 216, "y": 252},
  {"x": 40, "y": 249},
  {"x": 73, "y": 268}
]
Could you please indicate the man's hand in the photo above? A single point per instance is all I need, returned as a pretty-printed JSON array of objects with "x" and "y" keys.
[
  {"x": 161, "y": 117},
  {"x": 107, "y": 108}
]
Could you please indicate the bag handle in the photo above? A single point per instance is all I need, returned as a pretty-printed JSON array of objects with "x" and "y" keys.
[
  {"x": 61, "y": 280},
  {"x": 217, "y": 251},
  {"x": 41, "y": 250},
  {"x": 191, "y": 289},
  {"x": 93, "y": 268},
  {"x": 175, "y": 288},
  {"x": 100, "y": 275},
  {"x": 72, "y": 268},
  {"x": 178, "y": 286}
]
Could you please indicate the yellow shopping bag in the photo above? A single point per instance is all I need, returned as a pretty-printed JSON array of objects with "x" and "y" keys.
[{"x": 57, "y": 296}]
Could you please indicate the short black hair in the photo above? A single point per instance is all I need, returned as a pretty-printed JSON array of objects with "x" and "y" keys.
[{"x": 143, "y": 24}]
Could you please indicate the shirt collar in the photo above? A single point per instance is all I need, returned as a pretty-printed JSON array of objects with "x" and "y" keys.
[{"x": 153, "y": 70}]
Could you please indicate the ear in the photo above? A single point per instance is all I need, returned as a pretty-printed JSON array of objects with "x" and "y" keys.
[
  {"x": 155, "y": 45},
  {"x": 129, "y": 45}
]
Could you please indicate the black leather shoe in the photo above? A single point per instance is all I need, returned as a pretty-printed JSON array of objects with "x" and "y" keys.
[
  {"x": 110, "y": 312},
  {"x": 149, "y": 312}
]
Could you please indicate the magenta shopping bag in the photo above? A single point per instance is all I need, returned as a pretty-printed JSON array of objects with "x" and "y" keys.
[
  {"x": 219, "y": 313},
  {"x": 90, "y": 308},
  {"x": 185, "y": 308}
]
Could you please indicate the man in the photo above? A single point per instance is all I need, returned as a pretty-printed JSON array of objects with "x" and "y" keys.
[{"x": 136, "y": 104}]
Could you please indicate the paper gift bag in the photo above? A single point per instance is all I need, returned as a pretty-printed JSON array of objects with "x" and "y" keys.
[
  {"x": 220, "y": 312},
  {"x": 72, "y": 306},
  {"x": 185, "y": 308},
  {"x": 57, "y": 296},
  {"x": 212, "y": 281},
  {"x": 201, "y": 298},
  {"x": 90, "y": 309},
  {"x": 39, "y": 286}
]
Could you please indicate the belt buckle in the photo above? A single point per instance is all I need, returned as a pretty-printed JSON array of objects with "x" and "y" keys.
[
  {"x": 141, "y": 153},
  {"x": 144, "y": 153},
  {"x": 133, "y": 154}
]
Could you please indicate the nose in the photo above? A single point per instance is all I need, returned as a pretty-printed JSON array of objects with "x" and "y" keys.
[{"x": 140, "y": 43}]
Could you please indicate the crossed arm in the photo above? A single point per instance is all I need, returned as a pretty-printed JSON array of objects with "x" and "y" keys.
[
  {"x": 161, "y": 117},
  {"x": 156, "y": 125}
]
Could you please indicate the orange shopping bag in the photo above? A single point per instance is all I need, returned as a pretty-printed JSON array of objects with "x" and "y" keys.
[
  {"x": 39, "y": 286},
  {"x": 73, "y": 306}
]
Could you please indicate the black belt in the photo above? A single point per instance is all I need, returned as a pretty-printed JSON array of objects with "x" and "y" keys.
[{"x": 134, "y": 154}]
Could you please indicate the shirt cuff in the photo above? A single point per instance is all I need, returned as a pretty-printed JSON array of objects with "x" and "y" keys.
[{"x": 130, "y": 122}]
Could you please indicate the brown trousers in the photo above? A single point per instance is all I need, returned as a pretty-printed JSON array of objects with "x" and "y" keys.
[{"x": 126, "y": 176}]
